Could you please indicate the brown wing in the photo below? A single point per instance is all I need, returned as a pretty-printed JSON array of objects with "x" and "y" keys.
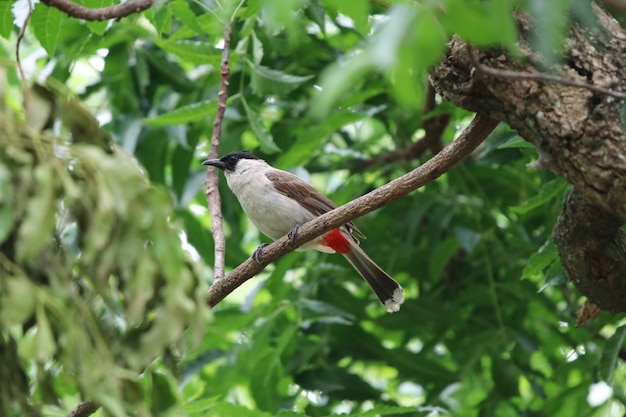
[{"x": 295, "y": 187}]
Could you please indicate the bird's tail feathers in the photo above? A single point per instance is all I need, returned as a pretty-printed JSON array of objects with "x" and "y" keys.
[{"x": 389, "y": 292}]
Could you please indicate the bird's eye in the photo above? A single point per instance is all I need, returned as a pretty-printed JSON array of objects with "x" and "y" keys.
[{"x": 232, "y": 159}]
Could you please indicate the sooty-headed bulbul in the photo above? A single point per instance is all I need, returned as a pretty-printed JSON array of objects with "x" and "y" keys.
[{"x": 277, "y": 202}]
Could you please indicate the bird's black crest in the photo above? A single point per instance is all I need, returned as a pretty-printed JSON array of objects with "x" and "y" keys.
[{"x": 230, "y": 159}]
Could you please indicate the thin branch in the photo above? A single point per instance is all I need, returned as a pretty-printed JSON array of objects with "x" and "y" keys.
[
  {"x": 435, "y": 125},
  {"x": 470, "y": 138},
  {"x": 211, "y": 183},
  {"x": 539, "y": 76},
  {"x": 84, "y": 409},
  {"x": 116, "y": 11},
  {"x": 20, "y": 36}
]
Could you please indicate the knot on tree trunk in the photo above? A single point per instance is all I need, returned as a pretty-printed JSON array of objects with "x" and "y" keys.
[{"x": 592, "y": 248}]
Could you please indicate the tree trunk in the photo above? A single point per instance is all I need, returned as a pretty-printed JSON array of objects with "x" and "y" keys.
[{"x": 578, "y": 133}]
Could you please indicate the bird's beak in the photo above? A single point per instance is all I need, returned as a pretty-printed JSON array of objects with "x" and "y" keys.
[{"x": 215, "y": 162}]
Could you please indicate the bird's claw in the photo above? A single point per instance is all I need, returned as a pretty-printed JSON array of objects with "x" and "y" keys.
[
  {"x": 257, "y": 252},
  {"x": 293, "y": 233}
]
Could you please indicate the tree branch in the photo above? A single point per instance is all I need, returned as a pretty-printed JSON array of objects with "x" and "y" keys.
[
  {"x": 614, "y": 4},
  {"x": 579, "y": 132},
  {"x": 18, "y": 43},
  {"x": 84, "y": 409},
  {"x": 470, "y": 138},
  {"x": 434, "y": 125},
  {"x": 211, "y": 183},
  {"x": 98, "y": 14}
]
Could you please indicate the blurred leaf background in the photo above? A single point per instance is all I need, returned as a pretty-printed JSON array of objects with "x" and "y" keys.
[{"x": 105, "y": 237}]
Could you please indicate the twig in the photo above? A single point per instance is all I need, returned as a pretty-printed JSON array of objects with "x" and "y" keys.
[
  {"x": 84, "y": 409},
  {"x": 540, "y": 76},
  {"x": 116, "y": 11},
  {"x": 20, "y": 36},
  {"x": 470, "y": 138},
  {"x": 435, "y": 125},
  {"x": 211, "y": 183}
]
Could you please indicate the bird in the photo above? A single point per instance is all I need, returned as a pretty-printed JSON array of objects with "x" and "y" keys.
[{"x": 278, "y": 202}]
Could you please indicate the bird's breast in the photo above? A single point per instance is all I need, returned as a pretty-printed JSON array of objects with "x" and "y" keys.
[{"x": 273, "y": 213}]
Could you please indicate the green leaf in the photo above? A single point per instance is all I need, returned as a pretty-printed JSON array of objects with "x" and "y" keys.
[
  {"x": 385, "y": 410},
  {"x": 555, "y": 281},
  {"x": 288, "y": 413},
  {"x": 257, "y": 49},
  {"x": 186, "y": 114},
  {"x": 441, "y": 255},
  {"x": 357, "y": 10},
  {"x": 121, "y": 85},
  {"x": 548, "y": 191},
  {"x": 467, "y": 238},
  {"x": 163, "y": 68},
  {"x": 7, "y": 204},
  {"x": 6, "y": 19},
  {"x": 611, "y": 354},
  {"x": 28, "y": 345},
  {"x": 195, "y": 52},
  {"x": 46, "y": 23},
  {"x": 316, "y": 12},
  {"x": 279, "y": 15},
  {"x": 381, "y": 54},
  {"x": 229, "y": 410},
  {"x": 540, "y": 260},
  {"x": 321, "y": 312},
  {"x": 505, "y": 376},
  {"x": 164, "y": 393},
  {"x": 198, "y": 407},
  {"x": 555, "y": 276},
  {"x": 44, "y": 340},
  {"x": 386, "y": 42},
  {"x": 481, "y": 23},
  {"x": 265, "y": 81},
  {"x": 111, "y": 404},
  {"x": 551, "y": 20},
  {"x": 264, "y": 377},
  {"x": 422, "y": 44},
  {"x": 97, "y": 27},
  {"x": 181, "y": 11},
  {"x": 515, "y": 142},
  {"x": 38, "y": 226},
  {"x": 336, "y": 80},
  {"x": 19, "y": 304},
  {"x": 263, "y": 136},
  {"x": 160, "y": 16}
]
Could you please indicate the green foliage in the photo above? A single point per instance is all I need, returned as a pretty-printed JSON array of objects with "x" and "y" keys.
[
  {"x": 105, "y": 238},
  {"x": 266, "y": 81},
  {"x": 6, "y": 19},
  {"x": 190, "y": 113},
  {"x": 482, "y": 23},
  {"x": 46, "y": 22},
  {"x": 87, "y": 261},
  {"x": 610, "y": 356}
]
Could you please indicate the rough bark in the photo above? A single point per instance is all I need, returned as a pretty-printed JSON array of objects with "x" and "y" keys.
[
  {"x": 578, "y": 133},
  {"x": 592, "y": 247}
]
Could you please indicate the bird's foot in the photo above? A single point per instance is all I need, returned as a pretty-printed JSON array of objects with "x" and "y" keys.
[
  {"x": 293, "y": 233},
  {"x": 256, "y": 256}
]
